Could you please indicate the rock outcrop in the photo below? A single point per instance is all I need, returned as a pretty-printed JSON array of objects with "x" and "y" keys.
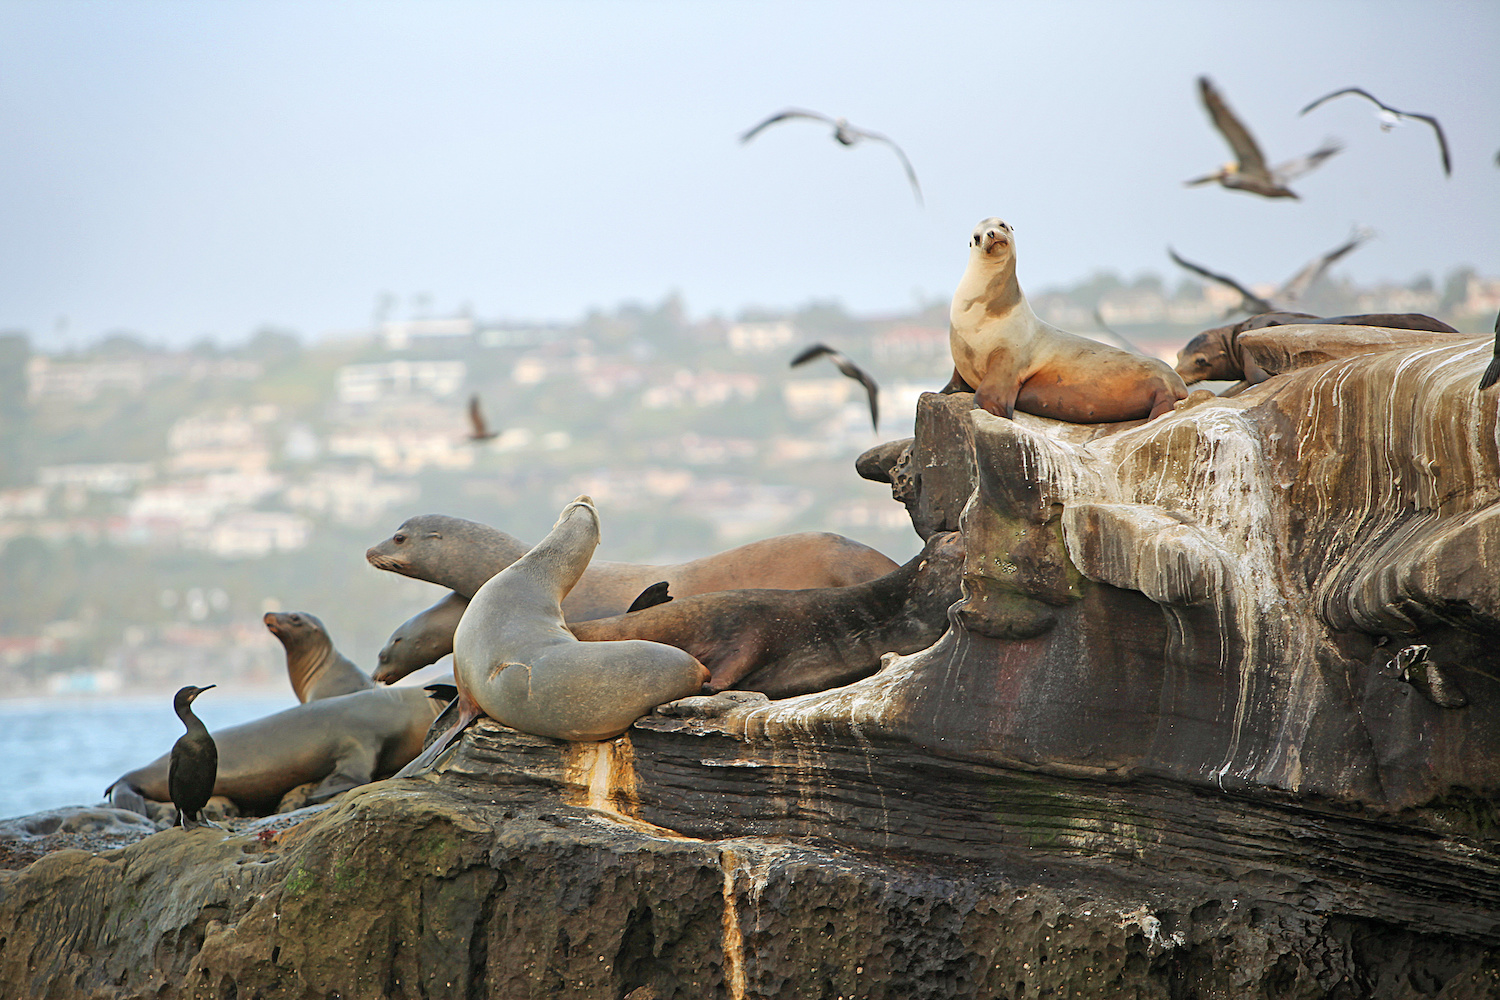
[{"x": 1217, "y": 716}]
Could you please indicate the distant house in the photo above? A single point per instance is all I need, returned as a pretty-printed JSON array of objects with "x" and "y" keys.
[
  {"x": 371, "y": 383},
  {"x": 759, "y": 338}
]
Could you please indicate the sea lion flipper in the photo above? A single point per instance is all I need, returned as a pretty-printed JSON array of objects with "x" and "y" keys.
[
  {"x": 650, "y": 597},
  {"x": 350, "y": 771},
  {"x": 123, "y": 795},
  {"x": 956, "y": 384}
]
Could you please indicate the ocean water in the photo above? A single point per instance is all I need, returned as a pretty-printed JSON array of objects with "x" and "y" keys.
[{"x": 65, "y": 751}]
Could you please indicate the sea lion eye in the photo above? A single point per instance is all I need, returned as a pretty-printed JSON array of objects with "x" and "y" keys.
[{"x": 398, "y": 538}]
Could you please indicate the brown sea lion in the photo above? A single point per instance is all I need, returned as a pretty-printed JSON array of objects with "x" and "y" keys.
[
  {"x": 338, "y": 742},
  {"x": 461, "y": 555},
  {"x": 1216, "y": 354},
  {"x": 515, "y": 660},
  {"x": 315, "y": 668},
  {"x": 790, "y": 642},
  {"x": 1011, "y": 360}
]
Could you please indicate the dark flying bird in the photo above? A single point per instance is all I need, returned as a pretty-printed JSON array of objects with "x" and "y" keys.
[
  {"x": 1291, "y": 290},
  {"x": 1389, "y": 118},
  {"x": 848, "y": 368},
  {"x": 844, "y": 133},
  {"x": 481, "y": 430},
  {"x": 1250, "y": 172},
  {"x": 1492, "y": 373},
  {"x": 194, "y": 764}
]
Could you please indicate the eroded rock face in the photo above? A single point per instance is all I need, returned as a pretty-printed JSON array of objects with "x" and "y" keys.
[{"x": 1216, "y": 596}]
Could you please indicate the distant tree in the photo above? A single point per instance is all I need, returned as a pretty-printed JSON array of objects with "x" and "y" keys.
[
  {"x": 1455, "y": 288},
  {"x": 1421, "y": 283},
  {"x": 271, "y": 343},
  {"x": 121, "y": 344}
]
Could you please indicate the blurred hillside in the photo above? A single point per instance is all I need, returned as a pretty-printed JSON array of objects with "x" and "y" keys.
[{"x": 154, "y": 504}]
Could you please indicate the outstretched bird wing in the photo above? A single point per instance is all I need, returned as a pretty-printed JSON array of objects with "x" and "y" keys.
[
  {"x": 1251, "y": 159},
  {"x": 782, "y": 116},
  {"x": 1298, "y": 284},
  {"x": 850, "y": 369},
  {"x": 1292, "y": 169},
  {"x": 911, "y": 174},
  {"x": 1252, "y": 303},
  {"x": 1436, "y": 128}
]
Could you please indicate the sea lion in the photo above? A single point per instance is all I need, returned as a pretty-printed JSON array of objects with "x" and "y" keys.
[
  {"x": 427, "y": 636},
  {"x": 786, "y": 642},
  {"x": 424, "y": 638},
  {"x": 315, "y": 668},
  {"x": 789, "y": 642},
  {"x": 461, "y": 555},
  {"x": 1216, "y": 354},
  {"x": 1492, "y": 373},
  {"x": 1011, "y": 360},
  {"x": 194, "y": 761},
  {"x": 515, "y": 660},
  {"x": 339, "y": 742}
]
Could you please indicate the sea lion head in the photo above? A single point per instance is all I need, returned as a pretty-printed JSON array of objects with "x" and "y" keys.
[
  {"x": 1206, "y": 356},
  {"x": 993, "y": 240},
  {"x": 398, "y": 553},
  {"x": 294, "y": 627}
]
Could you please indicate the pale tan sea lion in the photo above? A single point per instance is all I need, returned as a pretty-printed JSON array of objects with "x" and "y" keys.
[
  {"x": 315, "y": 668},
  {"x": 515, "y": 660},
  {"x": 339, "y": 742},
  {"x": 1011, "y": 360},
  {"x": 461, "y": 555}
]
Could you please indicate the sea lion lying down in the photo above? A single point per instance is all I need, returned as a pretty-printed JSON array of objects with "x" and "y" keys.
[
  {"x": 779, "y": 642},
  {"x": 1215, "y": 354},
  {"x": 461, "y": 555},
  {"x": 340, "y": 742}
]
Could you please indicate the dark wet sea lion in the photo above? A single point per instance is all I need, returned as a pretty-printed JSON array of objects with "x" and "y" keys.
[
  {"x": 1216, "y": 354},
  {"x": 339, "y": 742},
  {"x": 315, "y": 668},
  {"x": 462, "y": 555},
  {"x": 515, "y": 660},
  {"x": 789, "y": 642},
  {"x": 1012, "y": 360},
  {"x": 193, "y": 763}
]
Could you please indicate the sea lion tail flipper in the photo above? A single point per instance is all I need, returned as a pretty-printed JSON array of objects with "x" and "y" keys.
[
  {"x": 467, "y": 713},
  {"x": 650, "y": 597},
  {"x": 442, "y": 692},
  {"x": 123, "y": 795},
  {"x": 956, "y": 384}
]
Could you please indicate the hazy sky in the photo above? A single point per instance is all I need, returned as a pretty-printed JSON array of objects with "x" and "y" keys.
[{"x": 190, "y": 169}]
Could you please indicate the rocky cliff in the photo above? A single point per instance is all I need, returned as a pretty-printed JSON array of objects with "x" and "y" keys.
[{"x": 1216, "y": 717}]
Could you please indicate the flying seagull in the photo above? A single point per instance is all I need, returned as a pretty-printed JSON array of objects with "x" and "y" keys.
[
  {"x": 1250, "y": 172},
  {"x": 1389, "y": 118},
  {"x": 1291, "y": 290},
  {"x": 481, "y": 430},
  {"x": 844, "y": 133},
  {"x": 848, "y": 368}
]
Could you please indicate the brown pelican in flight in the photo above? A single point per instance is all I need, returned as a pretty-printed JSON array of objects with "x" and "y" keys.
[
  {"x": 1389, "y": 118},
  {"x": 844, "y": 133},
  {"x": 1249, "y": 172},
  {"x": 480, "y": 430},
  {"x": 1291, "y": 290},
  {"x": 850, "y": 369}
]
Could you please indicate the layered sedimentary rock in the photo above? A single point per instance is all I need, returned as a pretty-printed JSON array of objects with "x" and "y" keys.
[{"x": 1216, "y": 716}]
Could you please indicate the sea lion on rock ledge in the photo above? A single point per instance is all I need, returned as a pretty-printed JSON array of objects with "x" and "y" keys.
[
  {"x": 461, "y": 555},
  {"x": 1011, "y": 360},
  {"x": 515, "y": 660},
  {"x": 339, "y": 742},
  {"x": 789, "y": 642}
]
